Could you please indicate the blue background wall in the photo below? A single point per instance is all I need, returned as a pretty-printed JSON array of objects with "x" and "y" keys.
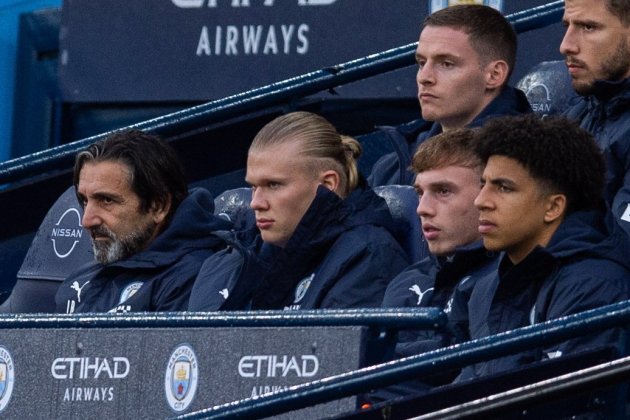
[
  {"x": 9, "y": 18},
  {"x": 36, "y": 127}
]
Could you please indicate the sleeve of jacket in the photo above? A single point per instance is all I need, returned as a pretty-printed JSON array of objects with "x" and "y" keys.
[
  {"x": 216, "y": 280},
  {"x": 621, "y": 204},
  {"x": 398, "y": 293},
  {"x": 171, "y": 291},
  {"x": 581, "y": 290},
  {"x": 227, "y": 280},
  {"x": 363, "y": 278}
]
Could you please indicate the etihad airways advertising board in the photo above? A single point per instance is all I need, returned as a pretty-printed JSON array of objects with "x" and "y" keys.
[
  {"x": 155, "y": 373},
  {"x": 199, "y": 50},
  {"x": 139, "y": 50}
]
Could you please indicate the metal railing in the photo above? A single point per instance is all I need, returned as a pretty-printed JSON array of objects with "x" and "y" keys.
[
  {"x": 587, "y": 379},
  {"x": 431, "y": 318},
  {"x": 379, "y": 376}
]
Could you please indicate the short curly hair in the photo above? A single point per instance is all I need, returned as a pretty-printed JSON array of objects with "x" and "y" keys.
[{"x": 554, "y": 150}]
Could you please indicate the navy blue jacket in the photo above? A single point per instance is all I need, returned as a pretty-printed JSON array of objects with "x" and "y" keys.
[
  {"x": 393, "y": 168},
  {"x": 157, "y": 279},
  {"x": 341, "y": 255},
  {"x": 606, "y": 114},
  {"x": 584, "y": 266},
  {"x": 443, "y": 282}
]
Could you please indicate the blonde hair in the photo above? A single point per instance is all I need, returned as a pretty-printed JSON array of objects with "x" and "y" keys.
[
  {"x": 321, "y": 144},
  {"x": 451, "y": 148}
]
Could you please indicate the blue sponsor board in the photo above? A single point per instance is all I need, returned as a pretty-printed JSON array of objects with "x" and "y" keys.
[
  {"x": 435, "y": 5},
  {"x": 207, "y": 49},
  {"x": 198, "y": 50},
  {"x": 110, "y": 373}
]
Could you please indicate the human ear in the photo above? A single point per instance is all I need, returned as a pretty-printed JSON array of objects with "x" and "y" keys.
[
  {"x": 159, "y": 210},
  {"x": 556, "y": 207},
  {"x": 496, "y": 74},
  {"x": 330, "y": 180}
]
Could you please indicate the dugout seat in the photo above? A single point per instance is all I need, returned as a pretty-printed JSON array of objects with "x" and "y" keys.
[
  {"x": 60, "y": 246},
  {"x": 234, "y": 206},
  {"x": 402, "y": 201},
  {"x": 548, "y": 88}
]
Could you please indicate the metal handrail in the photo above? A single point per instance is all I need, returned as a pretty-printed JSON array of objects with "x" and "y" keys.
[
  {"x": 431, "y": 318},
  {"x": 603, "y": 374},
  {"x": 449, "y": 358},
  {"x": 273, "y": 94}
]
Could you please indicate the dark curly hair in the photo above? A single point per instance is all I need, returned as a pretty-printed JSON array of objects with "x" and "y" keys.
[
  {"x": 156, "y": 171},
  {"x": 554, "y": 150}
]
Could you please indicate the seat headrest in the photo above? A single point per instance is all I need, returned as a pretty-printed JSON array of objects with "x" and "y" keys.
[
  {"x": 61, "y": 245},
  {"x": 402, "y": 201},
  {"x": 548, "y": 87},
  {"x": 234, "y": 206}
]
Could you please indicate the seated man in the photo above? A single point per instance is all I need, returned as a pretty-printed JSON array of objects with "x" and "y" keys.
[
  {"x": 465, "y": 56},
  {"x": 448, "y": 171},
  {"x": 325, "y": 239},
  {"x": 596, "y": 47},
  {"x": 149, "y": 234},
  {"x": 447, "y": 181},
  {"x": 541, "y": 202}
]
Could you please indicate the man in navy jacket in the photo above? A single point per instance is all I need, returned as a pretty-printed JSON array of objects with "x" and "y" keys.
[
  {"x": 541, "y": 202},
  {"x": 447, "y": 181},
  {"x": 465, "y": 56},
  {"x": 149, "y": 235},
  {"x": 597, "y": 50},
  {"x": 325, "y": 240}
]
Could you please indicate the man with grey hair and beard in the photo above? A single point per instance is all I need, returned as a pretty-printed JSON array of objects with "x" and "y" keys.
[
  {"x": 150, "y": 235},
  {"x": 596, "y": 47}
]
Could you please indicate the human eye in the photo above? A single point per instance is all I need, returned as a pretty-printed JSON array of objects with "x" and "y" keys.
[
  {"x": 443, "y": 191},
  {"x": 504, "y": 188},
  {"x": 273, "y": 185},
  {"x": 587, "y": 26},
  {"x": 447, "y": 64},
  {"x": 105, "y": 200}
]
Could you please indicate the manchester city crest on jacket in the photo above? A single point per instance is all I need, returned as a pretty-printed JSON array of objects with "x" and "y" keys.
[
  {"x": 130, "y": 290},
  {"x": 302, "y": 288}
]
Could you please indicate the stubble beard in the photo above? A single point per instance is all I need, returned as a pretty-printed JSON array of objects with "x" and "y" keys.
[
  {"x": 614, "y": 68},
  {"x": 118, "y": 248}
]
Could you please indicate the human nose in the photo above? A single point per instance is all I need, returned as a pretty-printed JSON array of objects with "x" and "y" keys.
[
  {"x": 569, "y": 46},
  {"x": 425, "y": 206},
  {"x": 425, "y": 75},
  {"x": 259, "y": 201},
  {"x": 482, "y": 201},
  {"x": 90, "y": 217}
]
